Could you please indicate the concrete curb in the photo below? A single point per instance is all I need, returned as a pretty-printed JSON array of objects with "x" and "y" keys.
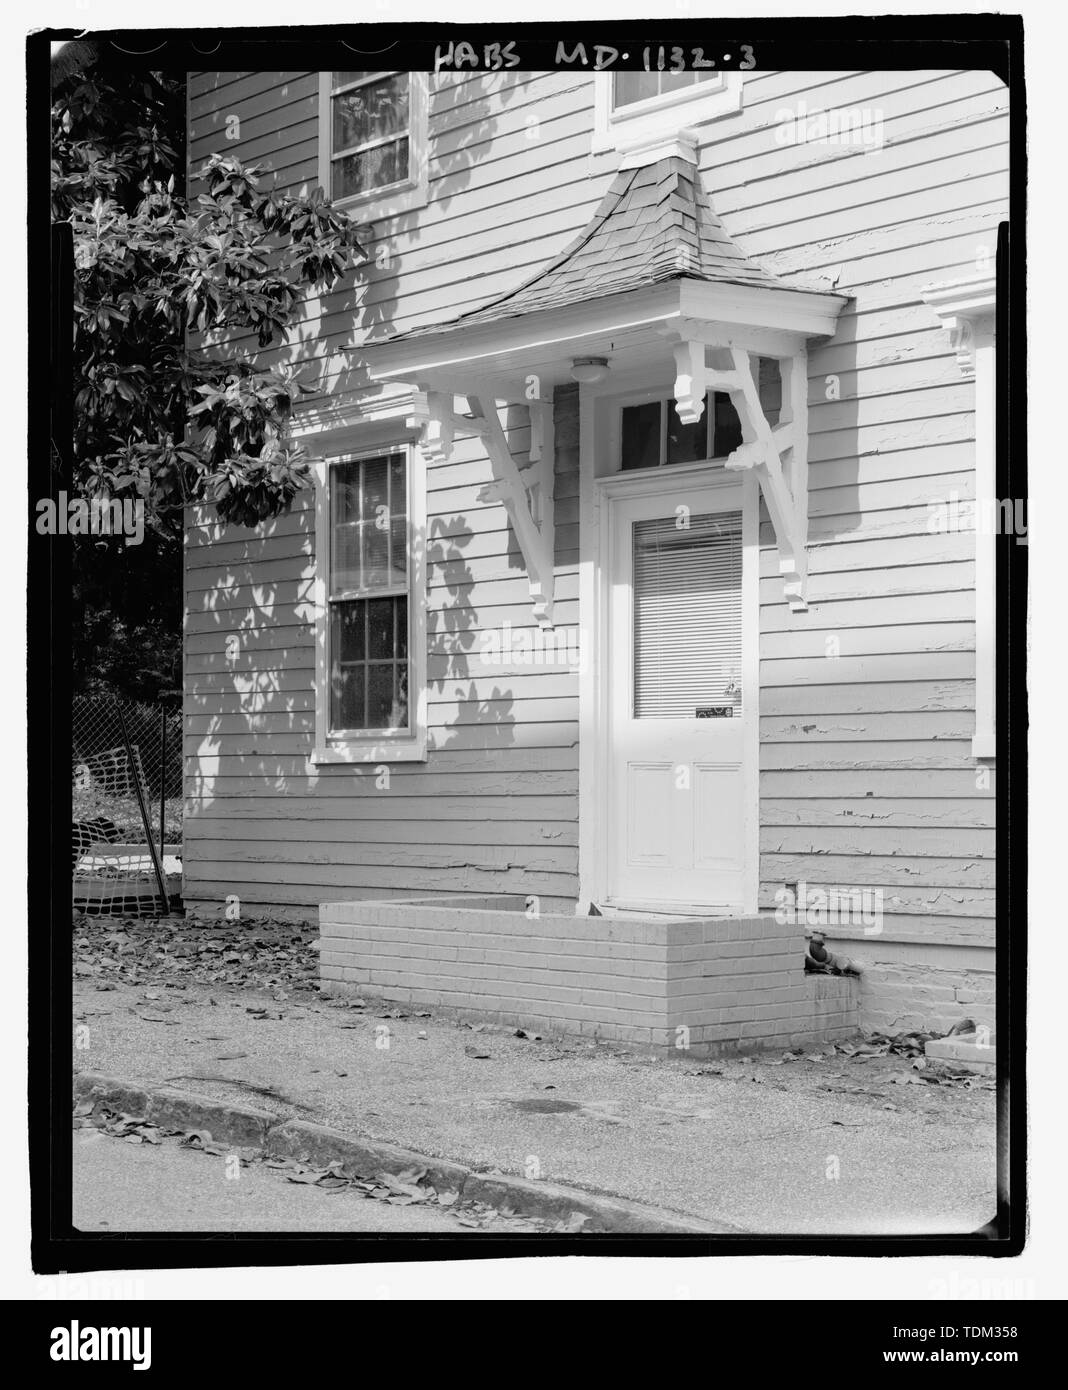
[{"x": 248, "y": 1128}]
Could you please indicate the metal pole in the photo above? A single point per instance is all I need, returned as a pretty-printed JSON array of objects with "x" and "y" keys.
[
  {"x": 162, "y": 780},
  {"x": 161, "y": 882}
]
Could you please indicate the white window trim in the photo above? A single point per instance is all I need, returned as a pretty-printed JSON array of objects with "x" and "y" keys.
[
  {"x": 377, "y": 746},
  {"x": 662, "y": 117},
  {"x": 387, "y": 202},
  {"x": 966, "y": 307}
]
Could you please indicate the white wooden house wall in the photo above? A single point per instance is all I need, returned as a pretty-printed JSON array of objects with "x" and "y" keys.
[{"x": 866, "y": 772}]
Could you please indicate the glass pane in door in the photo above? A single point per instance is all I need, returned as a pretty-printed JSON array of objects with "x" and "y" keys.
[{"x": 688, "y": 617}]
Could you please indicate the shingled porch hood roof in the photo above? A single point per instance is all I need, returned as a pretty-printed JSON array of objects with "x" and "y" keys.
[
  {"x": 654, "y": 284},
  {"x": 654, "y": 255}
]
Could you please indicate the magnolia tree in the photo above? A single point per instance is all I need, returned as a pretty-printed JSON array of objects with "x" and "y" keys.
[{"x": 156, "y": 417}]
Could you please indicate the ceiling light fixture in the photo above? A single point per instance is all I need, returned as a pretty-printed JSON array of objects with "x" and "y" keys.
[{"x": 589, "y": 370}]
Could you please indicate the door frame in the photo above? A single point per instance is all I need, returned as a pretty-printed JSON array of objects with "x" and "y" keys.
[{"x": 596, "y": 495}]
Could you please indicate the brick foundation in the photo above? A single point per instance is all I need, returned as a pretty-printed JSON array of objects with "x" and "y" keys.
[
  {"x": 707, "y": 986},
  {"x": 898, "y": 997}
]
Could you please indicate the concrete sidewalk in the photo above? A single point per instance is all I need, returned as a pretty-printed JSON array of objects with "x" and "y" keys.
[{"x": 818, "y": 1144}]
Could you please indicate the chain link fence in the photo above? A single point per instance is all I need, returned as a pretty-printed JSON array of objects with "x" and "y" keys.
[{"x": 126, "y": 824}]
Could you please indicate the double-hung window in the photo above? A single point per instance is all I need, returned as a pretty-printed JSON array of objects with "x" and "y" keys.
[
  {"x": 372, "y": 141},
  {"x": 631, "y": 89},
  {"x": 634, "y": 108},
  {"x": 370, "y": 700}
]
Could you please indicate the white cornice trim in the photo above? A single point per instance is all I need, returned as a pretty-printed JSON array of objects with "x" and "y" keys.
[
  {"x": 568, "y": 329},
  {"x": 964, "y": 306},
  {"x": 970, "y": 294}
]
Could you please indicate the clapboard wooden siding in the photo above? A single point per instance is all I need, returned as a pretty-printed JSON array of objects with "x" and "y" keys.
[
  {"x": 867, "y": 700},
  {"x": 494, "y": 808}
]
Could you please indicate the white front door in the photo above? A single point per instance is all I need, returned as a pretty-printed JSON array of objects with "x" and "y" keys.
[{"x": 681, "y": 787}]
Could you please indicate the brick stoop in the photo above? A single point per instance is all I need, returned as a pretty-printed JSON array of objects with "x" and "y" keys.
[
  {"x": 677, "y": 986},
  {"x": 834, "y": 1002}
]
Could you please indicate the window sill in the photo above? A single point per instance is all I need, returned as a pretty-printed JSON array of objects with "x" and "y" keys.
[
  {"x": 663, "y": 119},
  {"x": 410, "y": 751},
  {"x": 984, "y": 747},
  {"x": 371, "y": 208}
]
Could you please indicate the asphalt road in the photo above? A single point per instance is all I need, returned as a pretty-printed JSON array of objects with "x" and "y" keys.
[{"x": 146, "y": 1187}]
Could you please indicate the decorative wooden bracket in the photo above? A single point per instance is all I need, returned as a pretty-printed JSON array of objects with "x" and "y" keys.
[
  {"x": 526, "y": 493},
  {"x": 691, "y": 381},
  {"x": 436, "y": 420},
  {"x": 966, "y": 307},
  {"x": 777, "y": 454}
]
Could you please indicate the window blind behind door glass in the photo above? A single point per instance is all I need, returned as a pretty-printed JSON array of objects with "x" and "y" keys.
[{"x": 688, "y": 617}]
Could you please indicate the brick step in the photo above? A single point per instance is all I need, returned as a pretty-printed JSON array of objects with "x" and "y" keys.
[{"x": 971, "y": 1051}]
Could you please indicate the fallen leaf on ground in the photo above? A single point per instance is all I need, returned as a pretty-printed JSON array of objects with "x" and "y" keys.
[
  {"x": 196, "y": 1139},
  {"x": 406, "y": 1184}
]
